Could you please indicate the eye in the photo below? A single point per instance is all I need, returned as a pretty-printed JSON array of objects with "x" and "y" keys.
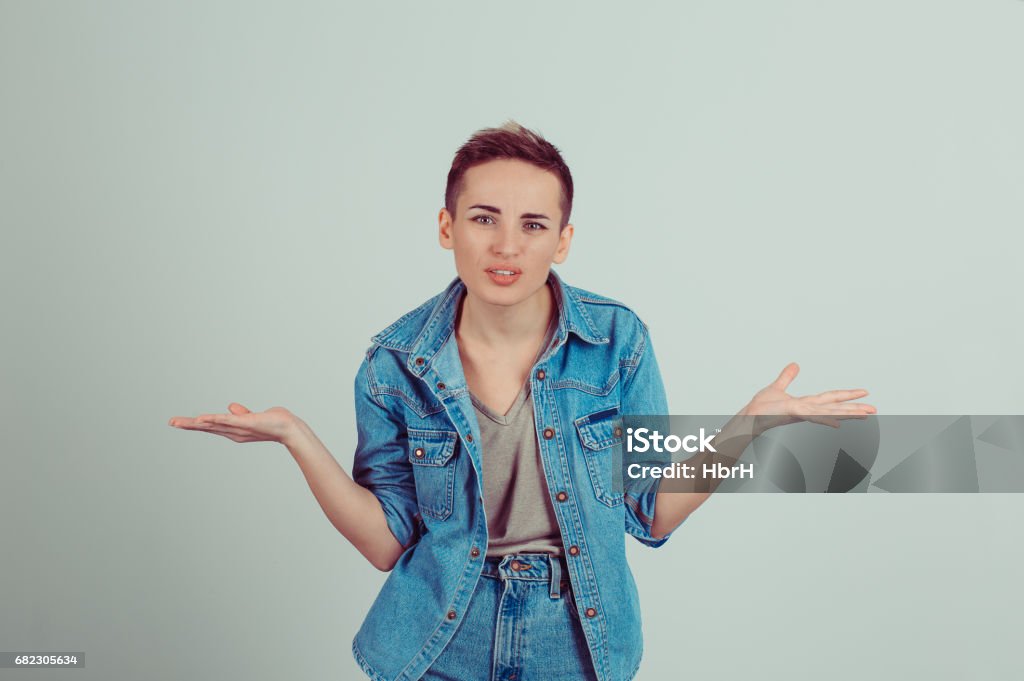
[
  {"x": 534, "y": 227},
  {"x": 478, "y": 218}
]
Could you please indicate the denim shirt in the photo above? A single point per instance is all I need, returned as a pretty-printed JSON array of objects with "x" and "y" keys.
[{"x": 418, "y": 452}]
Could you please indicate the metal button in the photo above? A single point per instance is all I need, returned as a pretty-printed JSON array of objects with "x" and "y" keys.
[
  {"x": 591, "y": 612},
  {"x": 451, "y": 614},
  {"x": 561, "y": 496},
  {"x": 469, "y": 438},
  {"x": 440, "y": 386},
  {"x": 549, "y": 433},
  {"x": 618, "y": 431},
  {"x": 419, "y": 361},
  {"x": 540, "y": 374},
  {"x": 514, "y": 565},
  {"x": 573, "y": 550},
  {"x": 419, "y": 452},
  {"x": 474, "y": 552}
]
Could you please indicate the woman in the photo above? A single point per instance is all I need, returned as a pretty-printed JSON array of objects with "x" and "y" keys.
[{"x": 483, "y": 477}]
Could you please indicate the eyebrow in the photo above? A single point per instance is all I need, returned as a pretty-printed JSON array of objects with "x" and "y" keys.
[{"x": 529, "y": 216}]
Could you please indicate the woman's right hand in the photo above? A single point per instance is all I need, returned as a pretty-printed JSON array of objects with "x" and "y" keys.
[{"x": 241, "y": 425}]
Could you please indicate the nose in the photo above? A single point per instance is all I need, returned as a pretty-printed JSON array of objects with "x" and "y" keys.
[{"x": 507, "y": 241}]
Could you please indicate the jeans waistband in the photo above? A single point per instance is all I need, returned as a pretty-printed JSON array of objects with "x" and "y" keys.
[{"x": 531, "y": 567}]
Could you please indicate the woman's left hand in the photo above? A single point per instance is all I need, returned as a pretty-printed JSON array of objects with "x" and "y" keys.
[{"x": 827, "y": 408}]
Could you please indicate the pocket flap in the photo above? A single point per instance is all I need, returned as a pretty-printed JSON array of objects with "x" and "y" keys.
[
  {"x": 600, "y": 430},
  {"x": 431, "y": 447}
]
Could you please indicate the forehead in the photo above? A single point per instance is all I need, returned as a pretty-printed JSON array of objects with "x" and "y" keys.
[{"x": 511, "y": 182}]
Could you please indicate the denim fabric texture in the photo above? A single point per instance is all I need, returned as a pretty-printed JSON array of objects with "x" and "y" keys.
[
  {"x": 521, "y": 625},
  {"x": 418, "y": 452}
]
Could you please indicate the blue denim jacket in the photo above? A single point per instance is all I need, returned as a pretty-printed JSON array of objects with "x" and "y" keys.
[{"x": 418, "y": 452}]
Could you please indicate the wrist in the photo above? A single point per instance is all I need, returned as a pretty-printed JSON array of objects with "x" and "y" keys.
[{"x": 296, "y": 431}]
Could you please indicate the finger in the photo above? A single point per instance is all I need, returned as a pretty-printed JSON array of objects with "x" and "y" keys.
[
  {"x": 859, "y": 408},
  {"x": 823, "y": 420},
  {"x": 808, "y": 411},
  {"x": 182, "y": 421},
  {"x": 236, "y": 408},
  {"x": 221, "y": 420},
  {"x": 839, "y": 395},
  {"x": 787, "y": 376},
  {"x": 236, "y": 434}
]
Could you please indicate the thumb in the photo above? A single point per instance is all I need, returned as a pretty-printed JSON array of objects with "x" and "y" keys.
[
  {"x": 787, "y": 376},
  {"x": 236, "y": 408}
]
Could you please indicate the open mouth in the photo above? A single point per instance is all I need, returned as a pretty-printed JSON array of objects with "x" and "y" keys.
[{"x": 504, "y": 275}]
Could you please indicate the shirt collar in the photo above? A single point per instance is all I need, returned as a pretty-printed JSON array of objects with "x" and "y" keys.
[{"x": 572, "y": 318}]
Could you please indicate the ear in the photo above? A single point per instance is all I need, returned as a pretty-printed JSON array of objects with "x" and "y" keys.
[
  {"x": 444, "y": 229},
  {"x": 564, "y": 239}
]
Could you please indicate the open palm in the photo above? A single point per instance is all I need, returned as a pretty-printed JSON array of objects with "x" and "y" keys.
[
  {"x": 242, "y": 425},
  {"x": 777, "y": 407}
]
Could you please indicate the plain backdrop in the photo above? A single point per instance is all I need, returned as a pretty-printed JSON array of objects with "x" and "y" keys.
[{"x": 207, "y": 202}]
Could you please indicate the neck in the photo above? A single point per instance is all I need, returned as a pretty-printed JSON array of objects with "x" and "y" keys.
[{"x": 504, "y": 325}]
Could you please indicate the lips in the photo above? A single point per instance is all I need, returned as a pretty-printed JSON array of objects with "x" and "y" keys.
[{"x": 504, "y": 274}]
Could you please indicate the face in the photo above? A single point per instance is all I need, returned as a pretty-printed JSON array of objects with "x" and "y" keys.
[{"x": 505, "y": 230}]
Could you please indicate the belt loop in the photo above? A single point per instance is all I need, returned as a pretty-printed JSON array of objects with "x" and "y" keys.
[{"x": 556, "y": 575}]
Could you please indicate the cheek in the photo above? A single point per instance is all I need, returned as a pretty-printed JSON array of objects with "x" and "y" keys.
[{"x": 543, "y": 251}]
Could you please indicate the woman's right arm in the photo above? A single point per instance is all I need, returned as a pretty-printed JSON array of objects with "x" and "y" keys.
[
  {"x": 353, "y": 509},
  {"x": 376, "y": 508}
]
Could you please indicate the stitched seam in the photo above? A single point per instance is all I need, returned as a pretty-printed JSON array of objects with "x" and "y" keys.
[
  {"x": 634, "y": 360},
  {"x": 635, "y": 505},
  {"x": 414, "y": 404},
  {"x": 592, "y": 329},
  {"x": 435, "y": 318},
  {"x": 578, "y": 524},
  {"x": 370, "y": 385},
  {"x": 586, "y": 387},
  {"x": 381, "y": 338},
  {"x": 364, "y": 665}
]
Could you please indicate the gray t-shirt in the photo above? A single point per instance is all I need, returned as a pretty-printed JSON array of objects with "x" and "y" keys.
[{"x": 520, "y": 517}]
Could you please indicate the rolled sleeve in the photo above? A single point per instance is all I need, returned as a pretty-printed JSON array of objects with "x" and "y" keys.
[
  {"x": 643, "y": 393},
  {"x": 381, "y": 462}
]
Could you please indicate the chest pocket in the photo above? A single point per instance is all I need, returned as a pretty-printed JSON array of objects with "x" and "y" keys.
[
  {"x": 601, "y": 436},
  {"x": 431, "y": 454}
]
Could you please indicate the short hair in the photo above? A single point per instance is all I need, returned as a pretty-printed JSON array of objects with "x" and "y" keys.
[{"x": 509, "y": 141}]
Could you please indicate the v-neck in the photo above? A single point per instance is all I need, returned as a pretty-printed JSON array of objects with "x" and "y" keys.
[
  {"x": 510, "y": 415},
  {"x": 524, "y": 392}
]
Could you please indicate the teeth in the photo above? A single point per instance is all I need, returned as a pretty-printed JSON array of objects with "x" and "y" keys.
[{"x": 505, "y": 272}]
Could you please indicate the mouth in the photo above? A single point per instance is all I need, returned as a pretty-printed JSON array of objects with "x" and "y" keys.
[{"x": 503, "y": 275}]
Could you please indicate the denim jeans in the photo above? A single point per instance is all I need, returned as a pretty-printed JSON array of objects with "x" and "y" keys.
[{"x": 521, "y": 625}]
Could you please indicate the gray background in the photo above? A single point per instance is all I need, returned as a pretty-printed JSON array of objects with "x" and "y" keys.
[{"x": 210, "y": 202}]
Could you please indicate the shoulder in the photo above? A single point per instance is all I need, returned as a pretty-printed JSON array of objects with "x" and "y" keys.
[
  {"x": 401, "y": 334},
  {"x": 610, "y": 317}
]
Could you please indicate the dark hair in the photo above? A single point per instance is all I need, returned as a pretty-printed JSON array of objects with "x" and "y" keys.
[{"x": 511, "y": 140}]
